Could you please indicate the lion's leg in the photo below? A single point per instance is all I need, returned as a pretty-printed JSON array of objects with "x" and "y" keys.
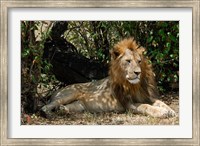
[
  {"x": 159, "y": 103},
  {"x": 47, "y": 109},
  {"x": 76, "y": 106},
  {"x": 148, "y": 109}
]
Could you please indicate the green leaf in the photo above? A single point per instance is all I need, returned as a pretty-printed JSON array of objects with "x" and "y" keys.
[
  {"x": 33, "y": 79},
  {"x": 37, "y": 58},
  {"x": 164, "y": 24},
  {"x": 168, "y": 79},
  {"x": 150, "y": 39},
  {"x": 161, "y": 32},
  {"x": 168, "y": 45},
  {"x": 173, "y": 38},
  {"x": 26, "y": 53}
]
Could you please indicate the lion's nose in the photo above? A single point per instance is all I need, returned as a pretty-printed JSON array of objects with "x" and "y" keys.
[{"x": 137, "y": 72}]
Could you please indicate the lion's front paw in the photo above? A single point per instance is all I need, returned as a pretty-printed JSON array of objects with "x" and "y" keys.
[
  {"x": 163, "y": 113},
  {"x": 172, "y": 113},
  {"x": 167, "y": 113},
  {"x": 160, "y": 112}
]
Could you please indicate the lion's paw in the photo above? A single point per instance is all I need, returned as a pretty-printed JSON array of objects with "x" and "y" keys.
[
  {"x": 164, "y": 113},
  {"x": 64, "y": 108},
  {"x": 167, "y": 113},
  {"x": 46, "y": 113},
  {"x": 172, "y": 113},
  {"x": 160, "y": 112}
]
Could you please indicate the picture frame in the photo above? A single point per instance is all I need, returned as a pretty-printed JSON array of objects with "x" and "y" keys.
[{"x": 4, "y": 68}]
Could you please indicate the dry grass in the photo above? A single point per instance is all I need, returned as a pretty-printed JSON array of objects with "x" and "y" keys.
[{"x": 127, "y": 118}]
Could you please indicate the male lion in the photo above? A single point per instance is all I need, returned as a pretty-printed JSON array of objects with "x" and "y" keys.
[{"x": 130, "y": 86}]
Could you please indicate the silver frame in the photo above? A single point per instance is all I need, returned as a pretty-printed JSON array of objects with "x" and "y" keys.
[{"x": 5, "y": 5}]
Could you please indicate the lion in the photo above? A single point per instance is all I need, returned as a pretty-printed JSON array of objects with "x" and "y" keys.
[{"x": 130, "y": 86}]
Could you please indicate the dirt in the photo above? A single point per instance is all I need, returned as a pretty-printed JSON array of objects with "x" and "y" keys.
[{"x": 126, "y": 118}]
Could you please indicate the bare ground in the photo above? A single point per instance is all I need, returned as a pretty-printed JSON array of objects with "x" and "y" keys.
[{"x": 126, "y": 118}]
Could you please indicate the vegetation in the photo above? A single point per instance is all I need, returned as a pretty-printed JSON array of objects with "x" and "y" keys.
[{"x": 93, "y": 39}]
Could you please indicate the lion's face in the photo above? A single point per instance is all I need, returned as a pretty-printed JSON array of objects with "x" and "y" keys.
[
  {"x": 127, "y": 59},
  {"x": 130, "y": 64}
]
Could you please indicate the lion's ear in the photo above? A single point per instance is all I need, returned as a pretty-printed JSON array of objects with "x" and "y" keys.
[
  {"x": 114, "y": 54},
  {"x": 141, "y": 50}
]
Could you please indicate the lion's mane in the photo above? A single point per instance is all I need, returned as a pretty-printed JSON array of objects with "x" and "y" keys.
[{"x": 143, "y": 92}]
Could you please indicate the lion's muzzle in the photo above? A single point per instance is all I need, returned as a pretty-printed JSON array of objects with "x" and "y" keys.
[
  {"x": 133, "y": 75},
  {"x": 133, "y": 80}
]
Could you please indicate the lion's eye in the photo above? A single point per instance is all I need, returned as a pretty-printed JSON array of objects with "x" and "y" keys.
[
  {"x": 128, "y": 60},
  {"x": 139, "y": 61}
]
